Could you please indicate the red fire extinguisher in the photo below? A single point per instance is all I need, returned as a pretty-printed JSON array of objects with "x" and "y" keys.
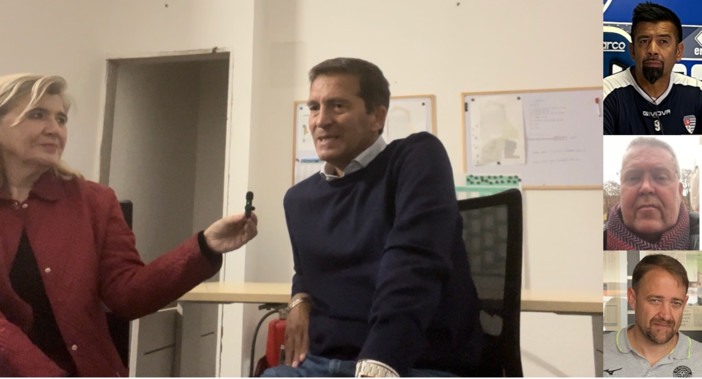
[{"x": 275, "y": 344}]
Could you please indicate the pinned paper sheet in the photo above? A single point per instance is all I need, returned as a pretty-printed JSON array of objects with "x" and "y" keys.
[
  {"x": 497, "y": 130},
  {"x": 408, "y": 115}
]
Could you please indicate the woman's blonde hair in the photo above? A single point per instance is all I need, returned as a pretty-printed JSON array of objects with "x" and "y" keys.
[{"x": 16, "y": 88}]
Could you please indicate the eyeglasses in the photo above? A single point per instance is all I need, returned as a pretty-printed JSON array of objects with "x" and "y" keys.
[{"x": 662, "y": 176}]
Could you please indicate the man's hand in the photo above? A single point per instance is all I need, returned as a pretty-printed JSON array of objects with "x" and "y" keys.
[
  {"x": 296, "y": 332},
  {"x": 231, "y": 232}
]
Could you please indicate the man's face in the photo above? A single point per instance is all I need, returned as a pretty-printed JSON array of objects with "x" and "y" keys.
[
  {"x": 338, "y": 121},
  {"x": 658, "y": 306},
  {"x": 655, "y": 50},
  {"x": 650, "y": 191}
]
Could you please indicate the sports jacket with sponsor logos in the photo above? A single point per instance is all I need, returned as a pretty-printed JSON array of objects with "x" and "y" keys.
[
  {"x": 620, "y": 359},
  {"x": 629, "y": 110}
]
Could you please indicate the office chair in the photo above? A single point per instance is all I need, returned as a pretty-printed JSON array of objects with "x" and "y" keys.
[
  {"x": 492, "y": 231},
  {"x": 118, "y": 326}
]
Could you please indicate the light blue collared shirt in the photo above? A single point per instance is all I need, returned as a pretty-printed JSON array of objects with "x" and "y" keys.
[{"x": 361, "y": 161}]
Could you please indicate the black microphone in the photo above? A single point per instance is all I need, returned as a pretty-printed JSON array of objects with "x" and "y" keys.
[{"x": 249, "y": 207}]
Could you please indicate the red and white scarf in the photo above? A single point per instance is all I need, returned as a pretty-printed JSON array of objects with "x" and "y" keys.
[{"x": 619, "y": 237}]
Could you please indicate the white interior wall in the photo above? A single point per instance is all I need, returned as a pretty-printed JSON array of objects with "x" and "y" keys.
[
  {"x": 42, "y": 37},
  {"x": 438, "y": 47}
]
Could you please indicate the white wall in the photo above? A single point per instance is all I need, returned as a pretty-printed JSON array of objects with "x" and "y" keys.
[
  {"x": 440, "y": 47},
  {"x": 50, "y": 37}
]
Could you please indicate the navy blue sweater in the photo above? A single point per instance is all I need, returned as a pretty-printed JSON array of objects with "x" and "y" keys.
[
  {"x": 629, "y": 110},
  {"x": 381, "y": 254}
]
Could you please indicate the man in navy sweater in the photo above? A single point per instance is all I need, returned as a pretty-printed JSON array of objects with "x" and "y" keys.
[
  {"x": 382, "y": 284},
  {"x": 649, "y": 98}
]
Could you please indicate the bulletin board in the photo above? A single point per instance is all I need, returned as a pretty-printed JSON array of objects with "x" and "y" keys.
[
  {"x": 406, "y": 115},
  {"x": 551, "y": 139}
]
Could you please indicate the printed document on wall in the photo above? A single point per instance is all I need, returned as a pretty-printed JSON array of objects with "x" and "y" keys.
[{"x": 497, "y": 130}]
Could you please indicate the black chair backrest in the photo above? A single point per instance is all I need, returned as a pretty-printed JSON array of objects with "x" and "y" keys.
[
  {"x": 492, "y": 231},
  {"x": 127, "y": 207}
]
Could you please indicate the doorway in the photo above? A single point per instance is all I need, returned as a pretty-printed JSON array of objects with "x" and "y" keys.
[{"x": 163, "y": 148}]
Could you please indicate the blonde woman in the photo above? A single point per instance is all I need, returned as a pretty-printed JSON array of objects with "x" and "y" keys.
[{"x": 66, "y": 252}]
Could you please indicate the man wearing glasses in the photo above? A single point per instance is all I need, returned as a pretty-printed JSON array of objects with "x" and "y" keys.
[
  {"x": 650, "y": 214},
  {"x": 649, "y": 98}
]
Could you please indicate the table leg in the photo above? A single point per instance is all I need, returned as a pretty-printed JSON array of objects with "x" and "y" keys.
[{"x": 597, "y": 335}]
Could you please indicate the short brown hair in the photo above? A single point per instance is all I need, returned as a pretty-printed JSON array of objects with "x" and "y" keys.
[{"x": 662, "y": 261}]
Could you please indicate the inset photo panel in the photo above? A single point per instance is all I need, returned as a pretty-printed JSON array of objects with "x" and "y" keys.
[
  {"x": 652, "y": 72},
  {"x": 652, "y": 312},
  {"x": 651, "y": 192}
]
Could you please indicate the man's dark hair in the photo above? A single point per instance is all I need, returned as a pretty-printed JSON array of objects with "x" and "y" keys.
[
  {"x": 662, "y": 261},
  {"x": 650, "y": 12},
  {"x": 374, "y": 88}
]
